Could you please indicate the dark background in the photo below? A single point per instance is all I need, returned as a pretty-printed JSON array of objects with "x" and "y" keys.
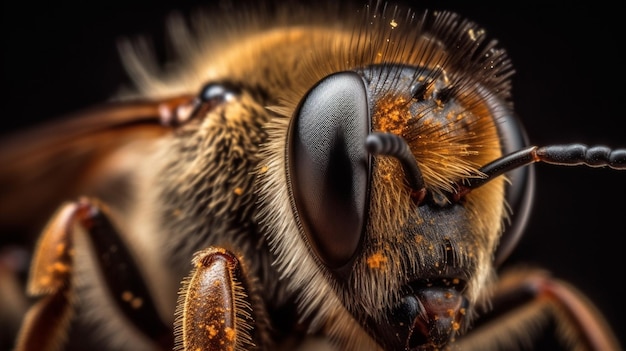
[{"x": 569, "y": 87}]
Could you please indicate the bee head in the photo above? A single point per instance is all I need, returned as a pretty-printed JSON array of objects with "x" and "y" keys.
[{"x": 372, "y": 155}]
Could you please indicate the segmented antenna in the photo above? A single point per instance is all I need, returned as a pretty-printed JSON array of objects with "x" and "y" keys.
[
  {"x": 392, "y": 145},
  {"x": 563, "y": 155}
]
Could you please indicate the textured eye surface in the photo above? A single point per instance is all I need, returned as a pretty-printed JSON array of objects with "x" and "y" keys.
[
  {"x": 520, "y": 189},
  {"x": 328, "y": 165}
]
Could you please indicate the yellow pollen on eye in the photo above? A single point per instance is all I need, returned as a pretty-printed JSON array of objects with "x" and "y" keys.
[
  {"x": 238, "y": 191},
  {"x": 376, "y": 260},
  {"x": 263, "y": 169}
]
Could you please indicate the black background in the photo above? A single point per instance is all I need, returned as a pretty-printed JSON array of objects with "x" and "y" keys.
[{"x": 569, "y": 87}]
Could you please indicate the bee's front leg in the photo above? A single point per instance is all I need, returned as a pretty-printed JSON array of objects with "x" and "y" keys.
[
  {"x": 214, "y": 309},
  {"x": 523, "y": 301},
  {"x": 46, "y": 324}
]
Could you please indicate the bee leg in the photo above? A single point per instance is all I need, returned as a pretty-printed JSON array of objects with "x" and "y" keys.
[
  {"x": 214, "y": 309},
  {"x": 13, "y": 304},
  {"x": 46, "y": 324},
  {"x": 522, "y": 303}
]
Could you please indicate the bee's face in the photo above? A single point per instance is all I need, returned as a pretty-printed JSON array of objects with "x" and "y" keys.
[
  {"x": 386, "y": 256},
  {"x": 350, "y": 230}
]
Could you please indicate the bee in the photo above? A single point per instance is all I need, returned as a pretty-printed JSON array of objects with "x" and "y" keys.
[{"x": 338, "y": 178}]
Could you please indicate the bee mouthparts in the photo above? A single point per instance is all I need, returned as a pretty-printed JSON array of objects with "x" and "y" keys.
[
  {"x": 427, "y": 318},
  {"x": 437, "y": 316}
]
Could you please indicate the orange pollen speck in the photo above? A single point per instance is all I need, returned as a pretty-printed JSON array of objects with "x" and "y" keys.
[
  {"x": 60, "y": 249},
  {"x": 45, "y": 280},
  {"x": 212, "y": 331},
  {"x": 127, "y": 296},
  {"x": 392, "y": 115},
  {"x": 419, "y": 238},
  {"x": 376, "y": 260},
  {"x": 456, "y": 326},
  {"x": 230, "y": 333},
  {"x": 136, "y": 303},
  {"x": 61, "y": 268},
  {"x": 238, "y": 191}
]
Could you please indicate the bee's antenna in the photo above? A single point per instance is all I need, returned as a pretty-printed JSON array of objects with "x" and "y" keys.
[
  {"x": 563, "y": 155},
  {"x": 392, "y": 145}
]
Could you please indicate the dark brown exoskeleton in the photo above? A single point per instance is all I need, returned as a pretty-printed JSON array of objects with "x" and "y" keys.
[{"x": 317, "y": 180}]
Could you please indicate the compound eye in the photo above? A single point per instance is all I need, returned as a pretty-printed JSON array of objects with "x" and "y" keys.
[
  {"x": 520, "y": 189},
  {"x": 328, "y": 166}
]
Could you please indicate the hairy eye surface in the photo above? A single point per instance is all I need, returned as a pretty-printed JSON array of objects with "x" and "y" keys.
[{"x": 328, "y": 165}]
